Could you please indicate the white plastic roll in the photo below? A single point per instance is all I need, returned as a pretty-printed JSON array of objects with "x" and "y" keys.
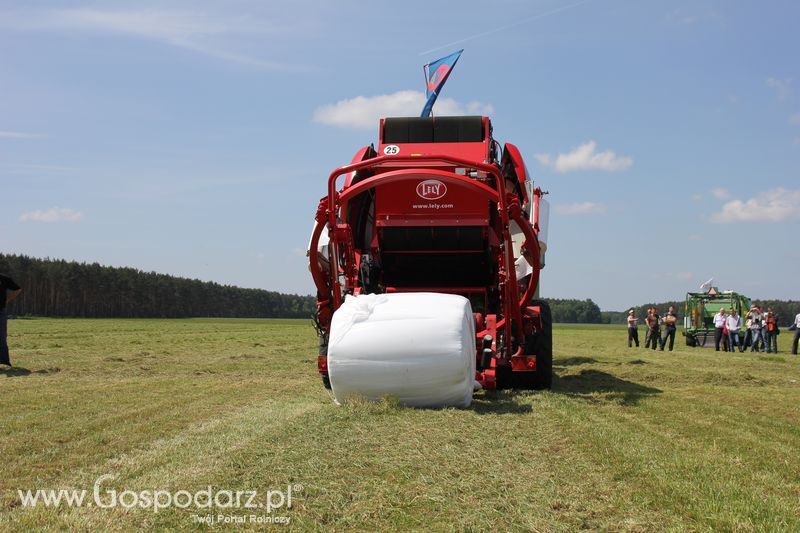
[{"x": 418, "y": 347}]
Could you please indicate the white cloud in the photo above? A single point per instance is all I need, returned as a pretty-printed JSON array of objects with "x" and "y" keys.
[
  {"x": 584, "y": 157},
  {"x": 721, "y": 193},
  {"x": 363, "y": 112},
  {"x": 19, "y": 135},
  {"x": 781, "y": 87},
  {"x": 581, "y": 208},
  {"x": 189, "y": 30},
  {"x": 770, "y": 206},
  {"x": 54, "y": 214},
  {"x": 697, "y": 197}
]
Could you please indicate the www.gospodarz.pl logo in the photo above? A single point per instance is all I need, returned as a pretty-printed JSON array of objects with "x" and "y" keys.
[{"x": 155, "y": 500}]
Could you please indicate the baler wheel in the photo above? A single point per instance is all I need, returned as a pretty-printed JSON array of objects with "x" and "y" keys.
[
  {"x": 504, "y": 377},
  {"x": 326, "y": 382},
  {"x": 543, "y": 378},
  {"x": 540, "y": 344}
]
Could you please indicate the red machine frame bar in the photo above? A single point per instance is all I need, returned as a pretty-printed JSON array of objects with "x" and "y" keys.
[{"x": 508, "y": 209}]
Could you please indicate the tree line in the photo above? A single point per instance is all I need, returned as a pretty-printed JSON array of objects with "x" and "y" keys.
[
  {"x": 621, "y": 317},
  {"x": 55, "y": 287},
  {"x": 58, "y": 288},
  {"x": 571, "y": 311}
]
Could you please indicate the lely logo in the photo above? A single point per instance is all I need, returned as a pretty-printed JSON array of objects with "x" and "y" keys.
[{"x": 431, "y": 189}]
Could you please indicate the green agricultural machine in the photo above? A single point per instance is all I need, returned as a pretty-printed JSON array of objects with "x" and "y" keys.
[{"x": 698, "y": 318}]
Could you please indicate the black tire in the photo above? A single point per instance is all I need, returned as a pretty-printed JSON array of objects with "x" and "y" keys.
[
  {"x": 691, "y": 341},
  {"x": 326, "y": 382},
  {"x": 540, "y": 344},
  {"x": 544, "y": 354},
  {"x": 705, "y": 340},
  {"x": 503, "y": 377}
]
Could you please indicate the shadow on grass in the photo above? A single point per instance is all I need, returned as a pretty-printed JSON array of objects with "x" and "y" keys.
[
  {"x": 18, "y": 371},
  {"x": 574, "y": 361},
  {"x": 501, "y": 402},
  {"x": 588, "y": 383}
]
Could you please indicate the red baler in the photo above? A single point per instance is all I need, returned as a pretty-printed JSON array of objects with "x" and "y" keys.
[{"x": 441, "y": 207}]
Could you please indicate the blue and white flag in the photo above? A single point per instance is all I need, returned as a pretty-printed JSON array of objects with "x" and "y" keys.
[{"x": 436, "y": 74}]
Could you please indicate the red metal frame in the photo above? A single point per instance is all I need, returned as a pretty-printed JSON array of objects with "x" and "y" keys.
[{"x": 517, "y": 319}]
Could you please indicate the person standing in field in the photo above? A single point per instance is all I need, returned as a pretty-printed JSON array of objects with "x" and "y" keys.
[
  {"x": 9, "y": 290},
  {"x": 754, "y": 327},
  {"x": 733, "y": 323},
  {"x": 766, "y": 333},
  {"x": 747, "y": 333},
  {"x": 771, "y": 331},
  {"x": 647, "y": 327},
  {"x": 653, "y": 326},
  {"x": 719, "y": 327},
  {"x": 762, "y": 327},
  {"x": 670, "y": 326},
  {"x": 796, "y": 327},
  {"x": 633, "y": 330}
]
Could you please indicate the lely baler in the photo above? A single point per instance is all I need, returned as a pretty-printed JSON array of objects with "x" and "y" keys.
[{"x": 439, "y": 207}]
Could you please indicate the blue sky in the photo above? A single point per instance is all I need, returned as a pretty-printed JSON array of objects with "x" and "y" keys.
[{"x": 195, "y": 138}]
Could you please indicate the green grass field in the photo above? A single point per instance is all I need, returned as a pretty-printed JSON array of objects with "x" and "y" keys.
[{"x": 628, "y": 439}]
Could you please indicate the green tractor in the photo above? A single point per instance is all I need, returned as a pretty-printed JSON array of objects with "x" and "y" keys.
[{"x": 698, "y": 319}]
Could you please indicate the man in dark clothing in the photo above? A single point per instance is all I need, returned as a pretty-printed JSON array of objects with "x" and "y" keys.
[
  {"x": 8, "y": 292},
  {"x": 670, "y": 325},
  {"x": 653, "y": 326},
  {"x": 647, "y": 327}
]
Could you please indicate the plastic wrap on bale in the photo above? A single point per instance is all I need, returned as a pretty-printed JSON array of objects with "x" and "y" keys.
[{"x": 417, "y": 347}]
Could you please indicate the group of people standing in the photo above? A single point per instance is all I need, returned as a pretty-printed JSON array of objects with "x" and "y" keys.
[
  {"x": 654, "y": 324},
  {"x": 761, "y": 330}
]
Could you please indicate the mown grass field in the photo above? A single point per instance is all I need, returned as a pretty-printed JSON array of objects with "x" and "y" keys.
[{"x": 628, "y": 439}]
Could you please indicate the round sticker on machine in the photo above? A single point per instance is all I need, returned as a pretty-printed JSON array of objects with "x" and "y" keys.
[{"x": 391, "y": 149}]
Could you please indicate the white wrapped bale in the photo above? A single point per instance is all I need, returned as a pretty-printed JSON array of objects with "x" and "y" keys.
[{"x": 418, "y": 347}]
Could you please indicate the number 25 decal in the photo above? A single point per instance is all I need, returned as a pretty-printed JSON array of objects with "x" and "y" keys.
[{"x": 391, "y": 149}]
